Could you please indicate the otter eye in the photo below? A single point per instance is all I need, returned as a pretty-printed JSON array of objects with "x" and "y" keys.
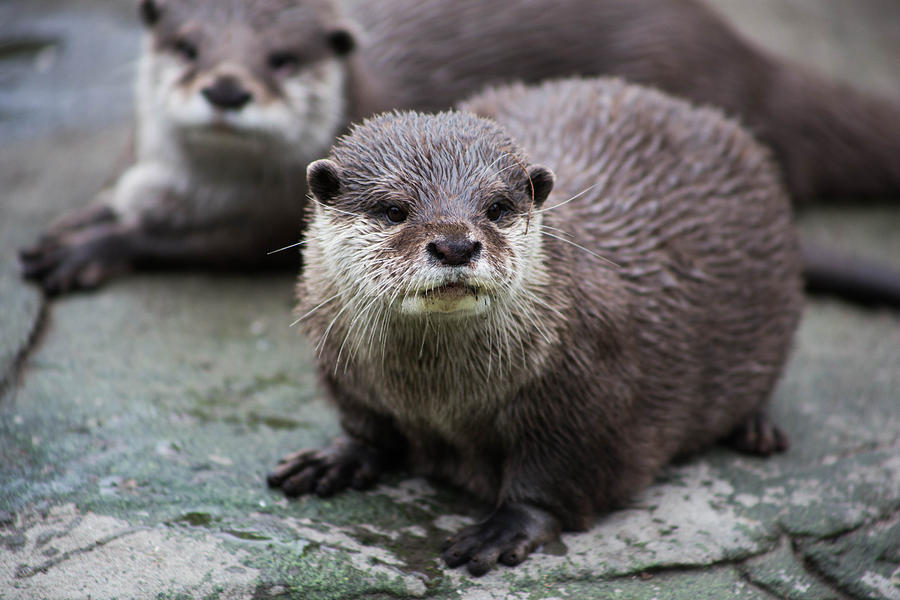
[
  {"x": 395, "y": 214},
  {"x": 283, "y": 61},
  {"x": 496, "y": 211},
  {"x": 186, "y": 49}
]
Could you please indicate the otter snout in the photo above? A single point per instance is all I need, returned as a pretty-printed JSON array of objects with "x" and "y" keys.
[
  {"x": 454, "y": 251},
  {"x": 227, "y": 93}
]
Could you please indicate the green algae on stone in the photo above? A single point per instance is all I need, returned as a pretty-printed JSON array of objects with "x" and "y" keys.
[
  {"x": 711, "y": 583},
  {"x": 323, "y": 573}
]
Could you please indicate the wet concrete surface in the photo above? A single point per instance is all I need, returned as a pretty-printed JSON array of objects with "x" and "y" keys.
[{"x": 137, "y": 422}]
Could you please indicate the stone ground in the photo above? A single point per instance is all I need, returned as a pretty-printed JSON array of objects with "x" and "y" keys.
[{"x": 137, "y": 422}]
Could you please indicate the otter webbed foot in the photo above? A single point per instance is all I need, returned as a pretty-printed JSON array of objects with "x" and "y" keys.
[
  {"x": 326, "y": 471},
  {"x": 758, "y": 435},
  {"x": 77, "y": 258},
  {"x": 509, "y": 535}
]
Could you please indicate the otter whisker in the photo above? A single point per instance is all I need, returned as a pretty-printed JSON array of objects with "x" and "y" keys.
[
  {"x": 580, "y": 247},
  {"x": 315, "y": 308},
  {"x": 324, "y": 337},
  {"x": 563, "y": 231},
  {"x": 579, "y": 194},
  {"x": 360, "y": 313},
  {"x": 535, "y": 298},
  {"x": 324, "y": 206},
  {"x": 373, "y": 314},
  {"x": 424, "y": 335},
  {"x": 491, "y": 164},
  {"x": 300, "y": 243}
]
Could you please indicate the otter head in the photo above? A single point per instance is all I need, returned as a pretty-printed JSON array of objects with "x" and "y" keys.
[
  {"x": 427, "y": 215},
  {"x": 262, "y": 72}
]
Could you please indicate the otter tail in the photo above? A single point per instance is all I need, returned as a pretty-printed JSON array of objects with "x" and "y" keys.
[
  {"x": 855, "y": 279},
  {"x": 834, "y": 141}
]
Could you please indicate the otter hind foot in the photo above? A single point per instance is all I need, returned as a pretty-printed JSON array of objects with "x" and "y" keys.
[
  {"x": 758, "y": 435},
  {"x": 327, "y": 471},
  {"x": 509, "y": 535}
]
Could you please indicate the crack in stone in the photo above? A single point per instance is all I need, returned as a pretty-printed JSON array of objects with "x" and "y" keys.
[
  {"x": 866, "y": 448},
  {"x": 763, "y": 589},
  {"x": 9, "y": 381},
  {"x": 815, "y": 573},
  {"x": 25, "y": 571}
]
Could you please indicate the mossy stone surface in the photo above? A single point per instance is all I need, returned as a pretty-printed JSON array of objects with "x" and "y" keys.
[{"x": 137, "y": 422}]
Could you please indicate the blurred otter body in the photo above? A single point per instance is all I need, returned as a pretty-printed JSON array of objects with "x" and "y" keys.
[
  {"x": 830, "y": 140},
  {"x": 548, "y": 352},
  {"x": 234, "y": 95},
  {"x": 234, "y": 99}
]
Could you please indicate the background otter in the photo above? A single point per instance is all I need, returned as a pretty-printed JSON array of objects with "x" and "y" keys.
[
  {"x": 546, "y": 350},
  {"x": 219, "y": 187},
  {"x": 233, "y": 100}
]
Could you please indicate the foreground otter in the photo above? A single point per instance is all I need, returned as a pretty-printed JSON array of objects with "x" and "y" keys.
[
  {"x": 233, "y": 96},
  {"x": 546, "y": 343}
]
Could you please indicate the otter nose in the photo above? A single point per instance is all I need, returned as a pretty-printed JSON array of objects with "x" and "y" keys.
[
  {"x": 453, "y": 252},
  {"x": 226, "y": 93}
]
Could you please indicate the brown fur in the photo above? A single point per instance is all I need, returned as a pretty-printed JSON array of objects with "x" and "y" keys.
[
  {"x": 589, "y": 367},
  {"x": 829, "y": 139}
]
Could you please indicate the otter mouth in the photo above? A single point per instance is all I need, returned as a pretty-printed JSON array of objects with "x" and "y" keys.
[
  {"x": 450, "y": 291},
  {"x": 221, "y": 126},
  {"x": 449, "y": 298},
  {"x": 224, "y": 135}
]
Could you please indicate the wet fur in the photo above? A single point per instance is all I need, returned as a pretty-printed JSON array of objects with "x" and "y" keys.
[{"x": 592, "y": 366}]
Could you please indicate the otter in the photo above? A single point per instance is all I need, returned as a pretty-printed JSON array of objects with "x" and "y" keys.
[
  {"x": 545, "y": 306},
  {"x": 233, "y": 100},
  {"x": 233, "y": 96}
]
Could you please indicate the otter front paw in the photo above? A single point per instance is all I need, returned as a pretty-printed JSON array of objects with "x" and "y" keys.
[
  {"x": 510, "y": 535},
  {"x": 326, "y": 471},
  {"x": 77, "y": 258}
]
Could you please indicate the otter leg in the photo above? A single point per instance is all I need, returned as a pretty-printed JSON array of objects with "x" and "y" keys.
[
  {"x": 509, "y": 535},
  {"x": 98, "y": 211},
  {"x": 758, "y": 435},
  {"x": 85, "y": 257},
  {"x": 326, "y": 471}
]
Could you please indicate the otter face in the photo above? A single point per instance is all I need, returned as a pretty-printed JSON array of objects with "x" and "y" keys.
[
  {"x": 220, "y": 71},
  {"x": 429, "y": 215}
]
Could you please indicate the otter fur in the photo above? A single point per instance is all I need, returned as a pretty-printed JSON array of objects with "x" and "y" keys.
[
  {"x": 234, "y": 94},
  {"x": 544, "y": 307}
]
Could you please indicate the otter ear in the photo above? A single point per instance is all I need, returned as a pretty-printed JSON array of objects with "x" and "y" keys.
[
  {"x": 342, "y": 40},
  {"x": 324, "y": 180},
  {"x": 542, "y": 180},
  {"x": 150, "y": 11}
]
